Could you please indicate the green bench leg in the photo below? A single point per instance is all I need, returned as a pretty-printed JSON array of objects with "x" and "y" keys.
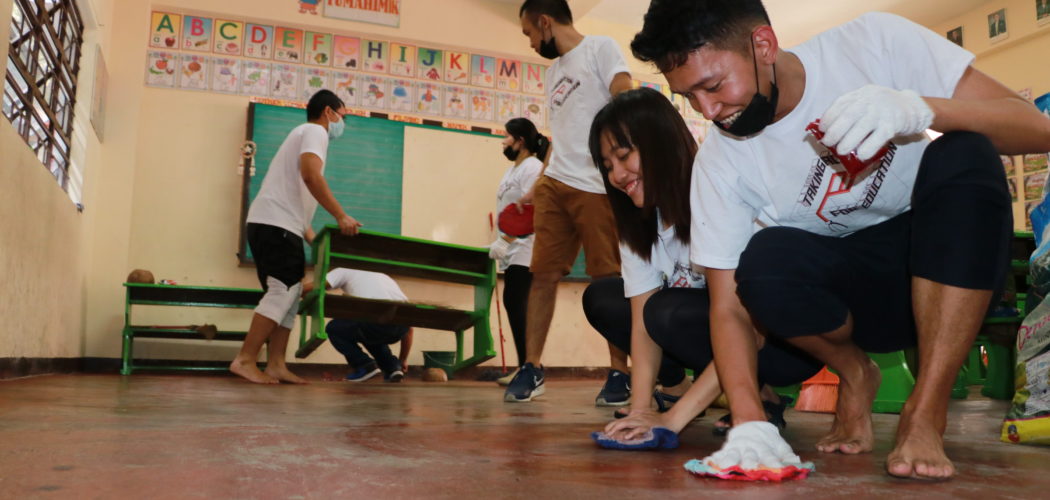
[
  {"x": 897, "y": 382},
  {"x": 976, "y": 372},
  {"x": 1000, "y": 382},
  {"x": 959, "y": 390},
  {"x": 125, "y": 352}
]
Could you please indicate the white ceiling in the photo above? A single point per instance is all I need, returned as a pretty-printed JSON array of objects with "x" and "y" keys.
[{"x": 797, "y": 20}]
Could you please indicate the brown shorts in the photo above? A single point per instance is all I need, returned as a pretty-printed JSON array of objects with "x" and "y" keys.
[{"x": 565, "y": 218}]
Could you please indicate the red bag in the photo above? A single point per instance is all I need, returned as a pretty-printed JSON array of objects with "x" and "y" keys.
[{"x": 518, "y": 225}]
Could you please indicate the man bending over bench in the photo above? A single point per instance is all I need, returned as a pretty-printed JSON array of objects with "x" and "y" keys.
[
  {"x": 346, "y": 334},
  {"x": 278, "y": 220}
]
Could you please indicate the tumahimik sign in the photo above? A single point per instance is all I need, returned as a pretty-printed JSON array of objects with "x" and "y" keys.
[{"x": 385, "y": 12}]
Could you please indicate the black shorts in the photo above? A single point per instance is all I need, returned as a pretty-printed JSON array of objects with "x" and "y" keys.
[
  {"x": 795, "y": 283},
  {"x": 277, "y": 252}
]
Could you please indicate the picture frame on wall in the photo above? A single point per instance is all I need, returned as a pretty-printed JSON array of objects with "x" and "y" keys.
[
  {"x": 1042, "y": 12},
  {"x": 997, "y": 29},
  {"x": 956, "y": 35}
]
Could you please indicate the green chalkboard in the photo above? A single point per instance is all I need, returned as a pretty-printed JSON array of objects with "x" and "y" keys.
[{"x": 363, "y": 168}]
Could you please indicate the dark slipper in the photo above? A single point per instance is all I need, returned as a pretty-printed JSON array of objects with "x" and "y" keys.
[{"x": 775, "y": 412}]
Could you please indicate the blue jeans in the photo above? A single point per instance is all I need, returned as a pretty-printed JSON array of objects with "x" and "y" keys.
[{"x": 346, "y": 334}]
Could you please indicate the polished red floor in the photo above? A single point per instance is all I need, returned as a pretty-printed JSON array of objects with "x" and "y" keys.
[{"x": 100, "y": 436}]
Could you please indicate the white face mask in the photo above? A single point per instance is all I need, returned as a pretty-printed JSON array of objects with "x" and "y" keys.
[{"x": 335, "y": 129}]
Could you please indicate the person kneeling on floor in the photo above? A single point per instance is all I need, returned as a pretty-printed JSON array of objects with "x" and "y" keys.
[{"x": 348, "y": 335}]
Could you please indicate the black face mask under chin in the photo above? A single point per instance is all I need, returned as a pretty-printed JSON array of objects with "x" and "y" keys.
[
  {"x": 759, "y": 112},
  {"x": 549, "y": 49},
  {"x": 510, "y": 153}
]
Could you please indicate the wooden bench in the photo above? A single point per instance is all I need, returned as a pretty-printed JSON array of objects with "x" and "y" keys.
[
  {"x": 182, "y": 296},
  {"x": 401, "y": 256}
]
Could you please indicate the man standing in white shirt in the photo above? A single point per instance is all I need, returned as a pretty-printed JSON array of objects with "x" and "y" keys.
[
  {"x": 571, "y": 205},
  {"x": 906, "y": 250},
  {"x": 278, "y": 220}
]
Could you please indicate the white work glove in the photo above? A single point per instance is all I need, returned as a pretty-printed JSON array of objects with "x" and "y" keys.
[
  {"x": 867, "y": 118},
  {"x": 499, "y": 248},
  {"x": 752, "y": 445}
]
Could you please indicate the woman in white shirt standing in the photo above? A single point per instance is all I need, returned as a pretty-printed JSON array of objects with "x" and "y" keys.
[
  {"x": 658, "y": 310},
  {"x": 527, "y": 148}
]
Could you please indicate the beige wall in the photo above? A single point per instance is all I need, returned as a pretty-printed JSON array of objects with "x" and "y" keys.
[{"x": 45, "y": 249}]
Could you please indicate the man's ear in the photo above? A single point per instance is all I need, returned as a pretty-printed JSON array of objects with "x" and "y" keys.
[{"x": 766, "y": 44}]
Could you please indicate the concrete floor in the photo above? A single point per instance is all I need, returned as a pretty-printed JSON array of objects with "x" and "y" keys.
[{"x": 175, "y": 436}]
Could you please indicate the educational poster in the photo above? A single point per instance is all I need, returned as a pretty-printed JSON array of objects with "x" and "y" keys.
[
  {"x": 288, "y": 45},
  {"x": 535, "y": 109},
  {"x": 430, "y": 64},
  {"x": 698, "y": 129},
  {"x": 428, "y": 98},
  {"x": 508, "y": 75},
  {"x": 532, "y": 78},
  {"x": 956, "y": 36},
  {"x": 402, "y": 60},
  {"x": 193, "y": 72},
  {"x": 228, "y": 37},
  {"x": 314, "y": 79},
  {"x": 225, "y": 75},
  {"x": 256, "y": 79},
  {"x": 457, "y": 67},
  {"x": 482, "y": 71},
  {"x": 482, "y": 107},
  {"x": 1042, "y": 14},
  {"x": 318, "y": 49},
  {"x": 1034, "y": 162},
  {"x": 258, "y": 41},
  {"x": 376, "y": 54},
  {"x": 1012, "y": 184},
  {"x": 346, "y": 52},
  {"x": 650, "y": 85},
  {"x": 507, "y": 106},
  {"x": 161, "y": 68},
  {"x": 1008, "y": 164},
  {"x": 455, "y": 102},
  {"x": 375, "y": 92},
  {"x": 1033, "y": 186},
  {"x": 285, "y": 81},
  {"x": 165, "y": 29},
  {"x": 402, "y": 95},
  {"x": 346, "y": 85},
  {"x": 196, "y": 34}
]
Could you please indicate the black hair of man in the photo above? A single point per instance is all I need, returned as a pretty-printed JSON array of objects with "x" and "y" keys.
[
  {"x": 557, "y": 9},
  {"x": 322, "y": 99},
  {"x": 673, "y": 29}
]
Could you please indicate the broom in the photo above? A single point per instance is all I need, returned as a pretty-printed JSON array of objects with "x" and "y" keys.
[{"x": 820, "y": 393}]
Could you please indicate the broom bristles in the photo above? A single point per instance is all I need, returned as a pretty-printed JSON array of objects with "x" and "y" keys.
[{"x": 820, "y": 393}]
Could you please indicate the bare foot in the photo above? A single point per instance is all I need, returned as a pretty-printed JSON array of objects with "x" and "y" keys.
[
  {"x": 248, "y": 370},
  {"x": 282, "y": 374},
  {"x": 919, "y": 452},
  {"x": 851, "y": 432}
]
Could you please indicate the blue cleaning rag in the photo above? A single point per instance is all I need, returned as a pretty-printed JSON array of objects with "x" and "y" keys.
[{"x": 656, "y": 438}]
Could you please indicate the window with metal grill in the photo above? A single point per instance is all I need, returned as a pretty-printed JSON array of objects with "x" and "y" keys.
[{"x": 41, "y": 81}]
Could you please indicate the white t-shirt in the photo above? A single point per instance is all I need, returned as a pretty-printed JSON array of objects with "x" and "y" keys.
[
  {"x": 365, "y": 284},
  {"x": 577, "y": 88},
  {"x": 517, "y": 181},
  {"x": 783, "y": 176},
  {"x": 668, "y": 266},
  {"x": 284, "y": 200}
]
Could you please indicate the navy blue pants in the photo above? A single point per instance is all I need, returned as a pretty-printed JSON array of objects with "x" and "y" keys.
[
  {"x": 796, "y": 283},
  {"x": 346, "y": 334},
  {"x": 677, "y": 320}
]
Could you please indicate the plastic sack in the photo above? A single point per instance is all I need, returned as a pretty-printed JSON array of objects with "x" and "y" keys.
[{"x": 1028, "y": 419}]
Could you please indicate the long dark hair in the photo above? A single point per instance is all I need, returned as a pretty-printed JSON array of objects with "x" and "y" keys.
[
  {"x": 645, "y": 120},
  {"x": 523, "y": 128}
]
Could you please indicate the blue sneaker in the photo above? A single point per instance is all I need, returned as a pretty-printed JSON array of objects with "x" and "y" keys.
[
  {"x": 363, "y": 373},
  {"x": 527, "y": 384},
  {"x": 617, "y": 390}
]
